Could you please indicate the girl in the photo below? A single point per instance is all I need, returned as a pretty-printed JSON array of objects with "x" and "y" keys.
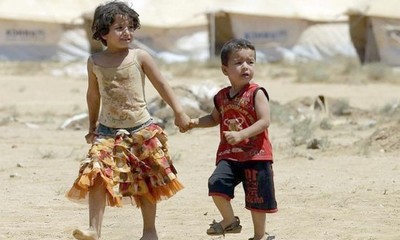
[{"x": 129, "y": 156}]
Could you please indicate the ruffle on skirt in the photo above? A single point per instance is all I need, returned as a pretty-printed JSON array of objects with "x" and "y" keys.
[{"x": 130, "y": 165}]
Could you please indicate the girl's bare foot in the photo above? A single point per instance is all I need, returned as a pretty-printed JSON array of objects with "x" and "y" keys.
[
  {"x": 84, "y": 234},
  {"x": 149, "y": 236},
  {"x": 265, "y": 237}
]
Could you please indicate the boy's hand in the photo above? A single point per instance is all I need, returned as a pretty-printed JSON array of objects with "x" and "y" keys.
[
  {"x": 233, "y": 137},
  {"x": 193, "y": 123}
]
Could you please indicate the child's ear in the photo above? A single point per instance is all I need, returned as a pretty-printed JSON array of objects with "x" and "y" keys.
[{"x": 224, "y": 70}]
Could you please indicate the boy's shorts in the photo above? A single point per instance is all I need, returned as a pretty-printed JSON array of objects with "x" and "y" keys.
[{"x": 257, "y": 178}]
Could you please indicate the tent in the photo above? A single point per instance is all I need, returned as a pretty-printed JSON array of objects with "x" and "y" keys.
[
  {"x": 43, "y": 29},
  {"x": 284, "y": 29},
  {"x": 178, "y": 30},
  {"x": 277, "y": 28},
  {"x": 375, "y": 31}
]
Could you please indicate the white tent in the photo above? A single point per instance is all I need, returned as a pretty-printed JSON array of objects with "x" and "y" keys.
[
  {"x": 177, "y": 30},
  {"x": 375, "y": 31},
  {"x": 43, "y": 29},
  {"x": 305, "y": 29}
]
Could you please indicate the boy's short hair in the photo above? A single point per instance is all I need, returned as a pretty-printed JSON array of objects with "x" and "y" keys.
[
  {"x": 234, "y": 45},
  {"x": 104, "y": 17}
]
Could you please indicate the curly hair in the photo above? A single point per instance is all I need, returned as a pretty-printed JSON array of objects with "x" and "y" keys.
[
  {"x": 234, "y": 45},
  {"x": 104, "y": 17}
]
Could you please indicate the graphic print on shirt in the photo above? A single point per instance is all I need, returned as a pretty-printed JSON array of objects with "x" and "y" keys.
[{"x": 234, "y": 124}]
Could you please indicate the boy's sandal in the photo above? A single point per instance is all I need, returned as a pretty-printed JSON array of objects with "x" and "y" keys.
[{"x": 216, "y": 228}]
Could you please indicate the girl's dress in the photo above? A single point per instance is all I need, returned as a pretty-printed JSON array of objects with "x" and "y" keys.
[{"x": 132, "y": 161}]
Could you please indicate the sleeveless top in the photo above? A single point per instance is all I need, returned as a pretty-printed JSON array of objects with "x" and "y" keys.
[
  {"x": 237, "y": 113},
  {"x": 123, "y": 103}
]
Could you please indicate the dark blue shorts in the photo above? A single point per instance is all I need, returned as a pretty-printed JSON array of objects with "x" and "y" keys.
[{"x": 257, "y": 178}]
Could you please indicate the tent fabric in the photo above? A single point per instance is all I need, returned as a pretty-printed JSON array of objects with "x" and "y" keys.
[
  {"x": 199, "y": 32},
  {"x": 278, "y": 38},
  {"x": 322, "y": 41},
  {"x": 386, "y": 34},
  {"x": 29, "y": 41},
  {"x": 55, "y": 11},
  {"x": 174, "y": 30},
  {"x": 43, "y": 30},
  {"x": 375, "y": 8},
  {"x": 375, "y": 31}
]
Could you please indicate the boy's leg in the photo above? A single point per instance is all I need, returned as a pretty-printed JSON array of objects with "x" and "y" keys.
[
  {"x": 149, "y": 219},
  {"x": 225, "y": 208},
  {"x": 221, "y": 186},
  {"x": 259, "y": 225},
  {"x": 260, "y": 194},
  {"x": 97, "y": 203}
]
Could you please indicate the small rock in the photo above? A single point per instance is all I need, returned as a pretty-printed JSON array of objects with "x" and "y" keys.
[{"x": 14, "y": 175}]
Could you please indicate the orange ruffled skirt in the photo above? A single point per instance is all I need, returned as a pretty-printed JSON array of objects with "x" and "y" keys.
[{"x": 131, "y": 165}]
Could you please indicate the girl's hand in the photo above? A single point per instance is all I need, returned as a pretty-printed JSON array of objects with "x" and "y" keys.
[
  {"x": 90, "y": 137},
  {"x": 182, "y": 121}
]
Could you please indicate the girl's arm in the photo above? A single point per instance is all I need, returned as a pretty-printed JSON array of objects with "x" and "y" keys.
[
  {"x": 163, "y": 88},
  {"x": 263, "y": 121},
  {"x": 93, "y": 101}
]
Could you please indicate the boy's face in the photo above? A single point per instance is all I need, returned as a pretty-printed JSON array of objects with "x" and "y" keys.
[{"x": 240, "y": 67}]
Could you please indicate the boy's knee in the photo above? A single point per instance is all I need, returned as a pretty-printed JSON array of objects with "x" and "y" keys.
[{"x": 214, "y": 181}]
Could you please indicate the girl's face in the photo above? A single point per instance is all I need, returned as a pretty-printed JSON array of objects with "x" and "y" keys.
[
  {"x": 240, "y": 67},
  {"x": 120, "y": 34}
]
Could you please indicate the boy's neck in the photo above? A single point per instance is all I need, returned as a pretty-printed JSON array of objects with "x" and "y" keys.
[{"x": 236, "y": 89}]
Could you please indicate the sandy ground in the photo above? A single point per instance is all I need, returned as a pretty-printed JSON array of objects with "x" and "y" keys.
[{"x": 349, "y": 189}]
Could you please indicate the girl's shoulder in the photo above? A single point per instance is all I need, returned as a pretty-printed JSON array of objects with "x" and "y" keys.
[
  {"x": 140, "y": 54},
  {"x": 97, "y": 58},
  {"x": 107, "y": 60}
]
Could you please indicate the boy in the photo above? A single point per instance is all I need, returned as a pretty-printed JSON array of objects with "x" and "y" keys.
[{"x": 245, "y": 152}]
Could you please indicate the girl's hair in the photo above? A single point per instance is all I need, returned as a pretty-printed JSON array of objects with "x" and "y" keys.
[
  {"x": 104, "y": 17},
  {"x": 235, "y": 45}
]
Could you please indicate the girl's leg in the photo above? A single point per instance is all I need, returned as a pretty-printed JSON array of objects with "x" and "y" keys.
[
  {"x": 149, "y": 219},
  {"x": 225, "y": 208},
  {"x": 97, "y": 203},
  {"x": 259, "y": 225}
]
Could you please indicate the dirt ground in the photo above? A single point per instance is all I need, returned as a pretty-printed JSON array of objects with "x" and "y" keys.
[{"x": 337, "y": 171}]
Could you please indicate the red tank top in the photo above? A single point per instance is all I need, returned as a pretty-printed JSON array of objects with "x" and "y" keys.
[{"x": 238, "y": 113}]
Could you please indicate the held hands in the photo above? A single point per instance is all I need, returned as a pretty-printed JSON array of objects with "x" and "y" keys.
[
  {"x": 193, "y": 123},
  {"x": 182, "y": 121}
]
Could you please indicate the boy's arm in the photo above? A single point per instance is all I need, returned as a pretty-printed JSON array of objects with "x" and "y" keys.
[
  {"x": 263, "y": 121},
  {"x": 206, "y": 121}
]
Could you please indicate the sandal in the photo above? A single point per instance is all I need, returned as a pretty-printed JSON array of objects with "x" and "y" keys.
[{"x": 216, "y": 228}]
